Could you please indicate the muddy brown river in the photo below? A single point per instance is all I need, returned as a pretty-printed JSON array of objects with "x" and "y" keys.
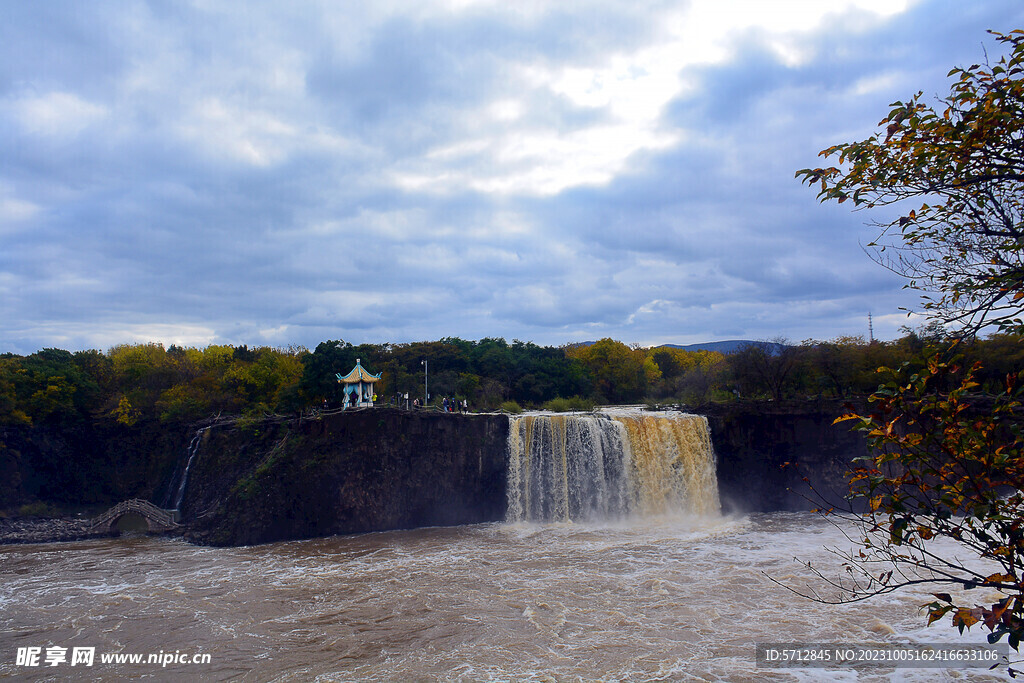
[
  {"x": 615, "y": 565},
  {"x": 668, "y": 598}
]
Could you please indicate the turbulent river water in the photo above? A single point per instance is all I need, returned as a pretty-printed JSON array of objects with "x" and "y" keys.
[
  {"x": 666, "y": 598},
  {"x": 614, "y": 565}
]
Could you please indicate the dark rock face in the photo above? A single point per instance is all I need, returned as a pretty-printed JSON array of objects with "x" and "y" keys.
[
  {"x": 765, "y": 450},
  {"x": 345, "y": 473},
  {"x": 384, "y": 469},
  {"x": 378, "y": 469},
  {"x": 85, "y": 463}
]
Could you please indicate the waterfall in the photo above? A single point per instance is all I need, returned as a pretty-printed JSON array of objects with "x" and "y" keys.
[
  {"x": 606, "y": 466},
  {"x": 179, "y": 492}
]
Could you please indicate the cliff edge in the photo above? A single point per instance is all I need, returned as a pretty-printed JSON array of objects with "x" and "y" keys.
[
  {"x": 351, "y": 472},
  {"x": 784, "y": 456}
]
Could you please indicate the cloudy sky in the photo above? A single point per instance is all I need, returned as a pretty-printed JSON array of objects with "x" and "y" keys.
[{"x": 285, "y": 173}]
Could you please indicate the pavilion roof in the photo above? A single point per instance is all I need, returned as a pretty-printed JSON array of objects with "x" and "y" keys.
[{"x": 358, "y": 374}]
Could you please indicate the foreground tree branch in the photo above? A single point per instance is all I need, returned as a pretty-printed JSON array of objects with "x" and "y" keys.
[
  {"x": 946, "y": 466},
  {"x": 945, "y": 470}
]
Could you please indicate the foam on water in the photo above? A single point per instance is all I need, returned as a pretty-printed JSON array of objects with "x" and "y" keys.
[{"x": 667, "y": 598}]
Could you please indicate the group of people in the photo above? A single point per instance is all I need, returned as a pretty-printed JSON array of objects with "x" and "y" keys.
[{"x": 451, "y": 405}]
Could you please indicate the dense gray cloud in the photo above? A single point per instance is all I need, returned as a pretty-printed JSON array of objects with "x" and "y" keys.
[{"x": 285, "y": 174}]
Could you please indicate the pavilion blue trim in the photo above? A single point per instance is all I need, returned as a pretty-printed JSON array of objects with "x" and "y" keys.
[{"x": 358, "y": 386}]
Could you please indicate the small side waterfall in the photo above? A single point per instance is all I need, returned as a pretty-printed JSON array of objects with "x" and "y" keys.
[
  {"x": 174, "y": 495},
  {"x": 601, "y": 466}
]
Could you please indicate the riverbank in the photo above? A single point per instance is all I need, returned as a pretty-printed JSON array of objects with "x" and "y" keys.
[{"x": 47, "y": 530}]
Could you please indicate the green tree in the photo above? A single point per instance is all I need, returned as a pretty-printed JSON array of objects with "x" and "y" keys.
[
  {"x": 493, "y": 359},
  {"x": 668, "y": 362},
  {"x": 12, "y": 411},
  {"x": 51, "y": 386},
  {"x": 319, "y": 382},
  {"x": 620, "y": 374},
  {"x": 945, "y": 466}
]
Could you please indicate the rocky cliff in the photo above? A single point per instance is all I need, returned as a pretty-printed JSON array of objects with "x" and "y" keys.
[
  {"x": 350, "y": 472},
  {"x": 781, "y": 456},
  {"x": 258, "y": 481},
  {"x": 386, "y": 469}
]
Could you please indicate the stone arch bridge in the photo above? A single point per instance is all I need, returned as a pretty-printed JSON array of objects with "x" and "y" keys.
[{"x": 157, "y": 519}]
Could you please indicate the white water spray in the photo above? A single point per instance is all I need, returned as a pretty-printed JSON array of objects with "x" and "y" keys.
[{"x": 564, "y": 468}]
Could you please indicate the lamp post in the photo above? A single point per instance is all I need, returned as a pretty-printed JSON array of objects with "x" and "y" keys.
[{"x": 425, "y": 370}]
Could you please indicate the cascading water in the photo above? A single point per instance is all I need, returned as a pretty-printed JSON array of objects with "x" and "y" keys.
[
  {"x": 604, "y": 466},
  {"x": 176, "y": 495}
]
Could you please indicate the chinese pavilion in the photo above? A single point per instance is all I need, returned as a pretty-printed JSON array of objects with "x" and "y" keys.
[{"x": 358, "y": 387}]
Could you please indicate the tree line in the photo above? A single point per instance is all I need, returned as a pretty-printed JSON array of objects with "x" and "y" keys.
[{"x": 133, "y": 382}]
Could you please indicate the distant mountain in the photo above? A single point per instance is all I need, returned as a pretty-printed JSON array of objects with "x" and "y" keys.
[{"x": 730, "y": 346}]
